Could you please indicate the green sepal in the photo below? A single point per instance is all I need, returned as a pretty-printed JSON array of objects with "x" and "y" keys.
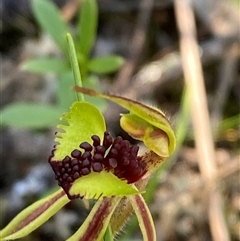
[
  {"x": 101, "y": 184},
  {"x": 81, "y": 122},
  {"x": 34, "y": 216}
]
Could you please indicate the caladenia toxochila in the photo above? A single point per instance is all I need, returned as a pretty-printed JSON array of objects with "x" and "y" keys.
[{"x": 89, "y": 163}]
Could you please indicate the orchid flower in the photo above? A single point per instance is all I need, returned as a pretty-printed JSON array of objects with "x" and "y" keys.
[{"x": 88, "y": 163}]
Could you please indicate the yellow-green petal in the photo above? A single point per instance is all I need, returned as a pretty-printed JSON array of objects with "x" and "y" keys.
[
  {"x": 34, "y": 216},
  {"x": 144, "y": 217},
  {"x": 81, "y": 122},
  {"x": 95, "y": 225}
]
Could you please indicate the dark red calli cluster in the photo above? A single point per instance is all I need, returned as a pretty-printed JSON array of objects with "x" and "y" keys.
[{"x": 117, "y": 156}]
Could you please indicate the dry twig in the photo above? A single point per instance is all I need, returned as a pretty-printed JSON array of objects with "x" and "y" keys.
[{"x": 201, "y": 121}]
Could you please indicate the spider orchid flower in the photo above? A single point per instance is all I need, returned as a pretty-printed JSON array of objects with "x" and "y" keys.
[{"x": 88, "y": 163}]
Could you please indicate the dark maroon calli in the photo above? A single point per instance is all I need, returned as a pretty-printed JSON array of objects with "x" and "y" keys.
[{"x": 116, "y": 156}]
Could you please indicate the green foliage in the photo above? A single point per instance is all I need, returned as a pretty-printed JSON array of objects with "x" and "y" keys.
[
  {"x": 105, "y": 64},
  {"x": 46, "y": 65},
  {"x": 87, "y": 27},
  {"x": 50, "y": 20},
  {"x": 30, "y": 115}
]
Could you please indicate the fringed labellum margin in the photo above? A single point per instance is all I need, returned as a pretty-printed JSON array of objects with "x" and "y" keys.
[
  {"x": 93, "y": 156},
  {"x": 112, "y": 156}
]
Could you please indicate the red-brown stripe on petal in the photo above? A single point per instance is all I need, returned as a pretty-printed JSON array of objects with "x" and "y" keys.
[
  {"x": 40, "y": 210},
  {"x": 95, "y": 225},
  {"x": 34, "y": 216},
  {"x": 144, "y": 217}
]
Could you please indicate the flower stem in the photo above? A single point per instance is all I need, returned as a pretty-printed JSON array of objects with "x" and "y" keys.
[{"x": 74, "y": 64}]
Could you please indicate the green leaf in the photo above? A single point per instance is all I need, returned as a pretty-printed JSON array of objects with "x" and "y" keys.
[
  {"x": 144, "y": 217},
  {"x": 46, "y": 65},
  {"x": 105, "y": 64},
  {"x": 34, "y": 216},
  {"x": 90, "y": 187},
  {"x": 30, "y": 115},
  {"x": 87, "y": 26},
  {"x": 95, "y": 225},
  {"x": 50, "y": 19},
  {"x": 81, "y": 122},
  {"x": 65, "y": 94}
]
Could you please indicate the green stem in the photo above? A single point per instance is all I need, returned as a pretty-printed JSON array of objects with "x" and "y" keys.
[{"x": 74, "y": 64}]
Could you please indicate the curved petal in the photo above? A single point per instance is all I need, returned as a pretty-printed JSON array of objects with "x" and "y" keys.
[
  {"x": 34, "y": 216},
  {"x": 144, "y": 217},
  {"x": 94, "y": 227},
  {"x": 154, "y": 138}
]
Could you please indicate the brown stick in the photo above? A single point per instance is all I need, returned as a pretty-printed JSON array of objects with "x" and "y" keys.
[{"x": 201, "y": 121}]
